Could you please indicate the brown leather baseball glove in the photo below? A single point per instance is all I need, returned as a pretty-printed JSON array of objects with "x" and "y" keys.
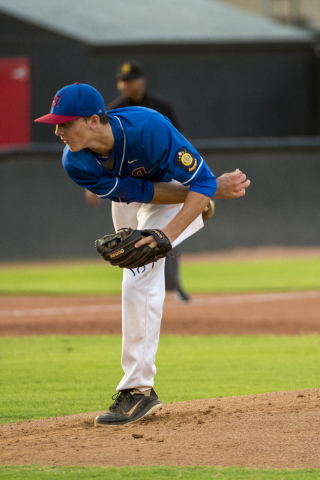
[
  {"x": 208, "y": 211},
  {"x": 119, "y": 248}
]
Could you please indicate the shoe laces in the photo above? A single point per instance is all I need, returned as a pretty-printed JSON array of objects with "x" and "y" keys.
[{"x": 117, "y": 398}]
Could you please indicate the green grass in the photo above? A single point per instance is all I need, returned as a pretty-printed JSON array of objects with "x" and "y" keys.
[
  {"x": 88, "y": 279},
  {"x": 34, "y": 472},
  {"x": 252, "y": 276},
  {"x": 51, "y": 376},
  {"x": 239, "y": 276}
]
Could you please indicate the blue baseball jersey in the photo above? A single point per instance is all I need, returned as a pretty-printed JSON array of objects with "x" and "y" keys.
[{"x": 147, "y": 149}]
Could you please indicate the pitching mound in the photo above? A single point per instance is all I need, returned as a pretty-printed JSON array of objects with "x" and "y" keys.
[{"x": 272, "y": 430}]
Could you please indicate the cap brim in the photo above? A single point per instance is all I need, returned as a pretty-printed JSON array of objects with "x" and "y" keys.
[{"x": 54, "y": 119}]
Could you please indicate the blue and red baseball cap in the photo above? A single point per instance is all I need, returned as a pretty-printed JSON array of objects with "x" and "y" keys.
[{"x": 72, "y": 102}]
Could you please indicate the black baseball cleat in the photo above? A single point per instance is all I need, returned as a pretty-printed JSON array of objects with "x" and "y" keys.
[
  {"x": 180, "y": 294},
  {"x": 129, "y": 406}
]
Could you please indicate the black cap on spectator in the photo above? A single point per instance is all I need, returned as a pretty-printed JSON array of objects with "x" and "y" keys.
[{"x": 130, "y": 71}]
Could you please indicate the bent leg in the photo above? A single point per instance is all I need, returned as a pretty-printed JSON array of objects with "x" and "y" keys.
[
  {"x": 143, "y": 293},
  {"x": 125, "y": 216},
  {"x": 142, "y": 303}
]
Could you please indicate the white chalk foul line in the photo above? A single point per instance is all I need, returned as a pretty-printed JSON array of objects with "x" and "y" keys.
[
  {"x": 256, "y": 298},
  {"x": 223, "y": 300},
  {"x": 39, "y": 312}
]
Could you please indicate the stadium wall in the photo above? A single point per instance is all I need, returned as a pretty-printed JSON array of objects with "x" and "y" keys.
[{"x": 44, "y": 215}]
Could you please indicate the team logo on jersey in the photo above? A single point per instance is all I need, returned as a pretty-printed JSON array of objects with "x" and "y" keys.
[
  {"x": 186, "y": 160},
  {"x": 138, "y": 172}
]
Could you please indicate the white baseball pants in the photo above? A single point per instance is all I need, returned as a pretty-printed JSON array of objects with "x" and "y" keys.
[{"x": 143, "y": 295}]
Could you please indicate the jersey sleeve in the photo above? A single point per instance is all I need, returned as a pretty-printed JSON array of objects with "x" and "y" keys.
[
  {"x": 175, "y": 154},
  {"x": 128, "y": 189},
  {"x": 119, "y": 189},
  {"x": 206, "y": 182}
]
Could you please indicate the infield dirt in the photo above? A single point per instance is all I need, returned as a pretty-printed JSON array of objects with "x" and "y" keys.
[{"x": 271, "y": 430}]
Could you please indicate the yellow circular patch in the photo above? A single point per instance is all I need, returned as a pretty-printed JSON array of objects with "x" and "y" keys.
[
  {"x": 126, "y": 68},
  {"x": 186, "y": 159}
]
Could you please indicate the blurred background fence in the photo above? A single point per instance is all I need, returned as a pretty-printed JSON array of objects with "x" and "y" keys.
[{"x": 44, "y": 215}]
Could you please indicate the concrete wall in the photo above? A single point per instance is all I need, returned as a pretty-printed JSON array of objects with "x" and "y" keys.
[
  {"x": 44, "y": 215},
  {"x": 281, "y": 206},
  {"x": 224, "y": 91}
]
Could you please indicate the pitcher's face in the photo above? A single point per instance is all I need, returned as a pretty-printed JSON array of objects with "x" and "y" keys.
[{"x": 76, "y": 134}]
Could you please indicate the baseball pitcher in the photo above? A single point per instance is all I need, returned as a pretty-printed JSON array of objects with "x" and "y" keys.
[{"x": 159, "y": 186}]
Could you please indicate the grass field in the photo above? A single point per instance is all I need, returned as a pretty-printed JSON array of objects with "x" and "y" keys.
[
  {"x": 236, "y": 276},
  {"x": 51, "y": 376},
  {"x": 55, "y": 375},
  {"x": 34, "y": 472}
]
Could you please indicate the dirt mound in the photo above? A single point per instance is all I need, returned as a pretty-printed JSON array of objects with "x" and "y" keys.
[{"x": 271, "y": 430}]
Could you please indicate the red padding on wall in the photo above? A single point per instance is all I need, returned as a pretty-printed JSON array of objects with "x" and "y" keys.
[{"x": 15, "y": 120}]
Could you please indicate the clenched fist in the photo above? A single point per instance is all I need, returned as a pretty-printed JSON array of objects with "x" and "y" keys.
[{"x": 231, "y": 185}]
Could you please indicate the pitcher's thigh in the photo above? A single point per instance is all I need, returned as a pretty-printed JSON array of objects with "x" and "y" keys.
[
  {"x": 156, "y": 216},
  {"x": 125, "y": 215}
]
